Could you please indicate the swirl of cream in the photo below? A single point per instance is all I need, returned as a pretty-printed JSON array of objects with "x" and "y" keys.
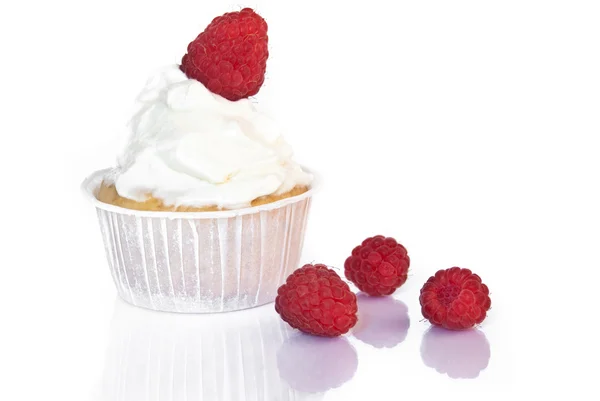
[{"x": 188, "y": 146}]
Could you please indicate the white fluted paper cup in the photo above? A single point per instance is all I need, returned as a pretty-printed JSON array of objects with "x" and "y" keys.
[{"x": 201, "y": 262}]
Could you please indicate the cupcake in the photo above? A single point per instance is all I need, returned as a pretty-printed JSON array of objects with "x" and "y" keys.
[{"x": 206, "y": 209}]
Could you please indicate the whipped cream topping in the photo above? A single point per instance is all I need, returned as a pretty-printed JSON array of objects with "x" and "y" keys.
[{"x": 188, "y": 146}]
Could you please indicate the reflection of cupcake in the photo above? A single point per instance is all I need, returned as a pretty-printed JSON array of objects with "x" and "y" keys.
[
  {"x": 206, "y": 210},
  {"x": 159, "y": 356}
]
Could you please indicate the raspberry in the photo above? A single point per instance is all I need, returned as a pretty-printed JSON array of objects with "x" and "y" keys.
[
  {"x": 378, "y": 266},
  {"x": 455, "y": 299},
  {"x": 315, "y": 300},
  {"x": 230, "y": 56}
]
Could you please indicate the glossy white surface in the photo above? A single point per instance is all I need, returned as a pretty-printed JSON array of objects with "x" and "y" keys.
[
  {"x": 253, "y": 355},
  {"x": 465, "y": 129}
]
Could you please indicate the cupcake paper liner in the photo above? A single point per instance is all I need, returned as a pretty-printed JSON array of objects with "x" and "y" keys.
[{"x": 199, "y": 262}]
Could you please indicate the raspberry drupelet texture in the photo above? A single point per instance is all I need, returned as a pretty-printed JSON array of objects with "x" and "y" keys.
[
  {"x": 455, "y": 299},
  {"x": 315, "y": 300},
  {"x": 378, "y": 266},
  {"x": 230, "y": 56}
]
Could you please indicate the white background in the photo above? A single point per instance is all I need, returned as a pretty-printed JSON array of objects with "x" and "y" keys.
[{"x": 467, "y": 130}]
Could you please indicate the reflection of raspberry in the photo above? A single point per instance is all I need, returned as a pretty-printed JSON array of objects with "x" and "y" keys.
[
  {"x": 230, "y": 56},
  {"x": 459, "y": 354},
  {"x": 315, "y": 300},
  {"x": 378, "y": 266},
  {"x": 383, "y": 321},
  {"x": 315, "y": 364},
  {"x": 455, "y": 299}
]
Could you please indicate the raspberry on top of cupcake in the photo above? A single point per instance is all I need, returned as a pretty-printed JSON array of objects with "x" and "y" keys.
[{"x": 230, "y": 56}]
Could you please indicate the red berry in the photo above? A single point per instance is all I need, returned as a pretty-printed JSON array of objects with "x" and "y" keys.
[
  {"x": 230, "y": 56},
  {"x": 455, "y": 299},
  {"x": 315, "y": 300},
  {"x": 378, "y": 266}
]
